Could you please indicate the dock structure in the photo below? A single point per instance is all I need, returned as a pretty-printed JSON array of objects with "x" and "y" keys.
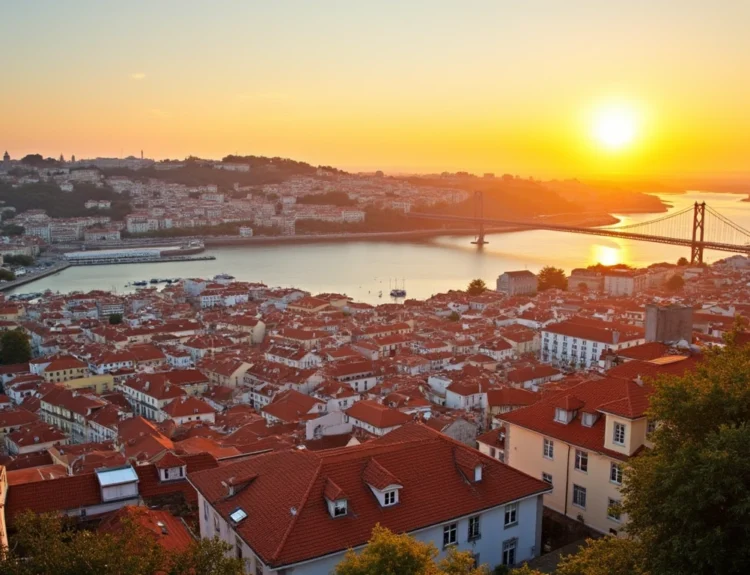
[
  {"x": 137, "y": 260},
  {"x": 28, "y": 278}
]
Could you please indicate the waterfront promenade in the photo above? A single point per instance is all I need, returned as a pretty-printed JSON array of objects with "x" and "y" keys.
[{"x": 28, "y": 278}]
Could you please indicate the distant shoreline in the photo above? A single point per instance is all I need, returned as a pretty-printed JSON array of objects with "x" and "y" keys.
[{"x": 591, "y": 220}]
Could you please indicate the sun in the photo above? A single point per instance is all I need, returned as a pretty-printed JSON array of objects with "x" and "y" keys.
[{"x": 615, "y": 127}]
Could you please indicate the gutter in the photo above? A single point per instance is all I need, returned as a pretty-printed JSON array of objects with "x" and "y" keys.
[{"x": 567, "y": 480}]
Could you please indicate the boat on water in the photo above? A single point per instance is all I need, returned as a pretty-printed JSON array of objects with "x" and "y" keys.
[
  {"x": 399, "y": 291},
  {"x": 155, "y": 280},
  {"x": 224, "y": 276},
  {"x": 140, "y": 283}
]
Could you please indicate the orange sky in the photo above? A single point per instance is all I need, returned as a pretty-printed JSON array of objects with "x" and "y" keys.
[{"x": 401, "y": 86}]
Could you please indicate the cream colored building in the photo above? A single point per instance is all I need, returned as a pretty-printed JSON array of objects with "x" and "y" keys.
[{"x": 578, "y": 441}]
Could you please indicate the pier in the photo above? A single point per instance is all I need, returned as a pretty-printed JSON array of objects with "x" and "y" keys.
[
  {"x": 28, "y": 278},
  {"x": 137, "y": 260}
]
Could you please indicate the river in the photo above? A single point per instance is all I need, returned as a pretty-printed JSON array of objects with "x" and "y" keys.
[{"x": 362, "y": 269}]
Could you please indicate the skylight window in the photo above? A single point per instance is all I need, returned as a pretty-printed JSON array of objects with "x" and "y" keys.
[{"x": 237, "y": 515}]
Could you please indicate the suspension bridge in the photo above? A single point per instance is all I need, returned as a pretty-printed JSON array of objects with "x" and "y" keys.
[{"x": 698, "y": 227}]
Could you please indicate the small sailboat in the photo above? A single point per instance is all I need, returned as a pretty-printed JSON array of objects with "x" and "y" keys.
[{"x": 399, "y": 292}]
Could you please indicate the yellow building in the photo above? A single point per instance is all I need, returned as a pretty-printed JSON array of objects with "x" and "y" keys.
[
  {"x": 577, "y": 440},
  {"x": 99, "y": 383},
  {"x": 59, "y": 369}
]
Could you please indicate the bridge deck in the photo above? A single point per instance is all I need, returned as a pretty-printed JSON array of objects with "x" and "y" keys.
[{"x": 612, "y": 233}]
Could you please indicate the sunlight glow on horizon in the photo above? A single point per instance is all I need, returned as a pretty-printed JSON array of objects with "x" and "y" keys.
[
  {"x": 415, "y": 86},
  {"x": 615, "y": 127}
]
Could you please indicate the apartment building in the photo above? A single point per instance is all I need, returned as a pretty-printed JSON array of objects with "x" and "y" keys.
[
  {"x": 580, "y": 342},
  {"x": 577, "y": 440},
  {"x": 415, "y": 480},
  {"x": 517, "y": 283}
]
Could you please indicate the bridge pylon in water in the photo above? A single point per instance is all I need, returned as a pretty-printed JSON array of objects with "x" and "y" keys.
[
  {"x": 479, "y": 218},
  {"x": 699, "y": 220}
]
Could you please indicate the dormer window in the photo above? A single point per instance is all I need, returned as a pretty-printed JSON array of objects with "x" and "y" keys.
[
  {"x": 563, "y": 416},
  {"x": 477, "y": 474},
  {"x": 339, "y": 508},
  {"x": 589, "y": 419},
  {"x": 390, "y": 498}
]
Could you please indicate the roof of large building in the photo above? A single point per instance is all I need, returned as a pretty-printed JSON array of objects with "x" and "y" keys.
[
  {"x": 377, "y": 415},
  {"x": 283, "y": 494},
  {"x": 621, "y": 397}
]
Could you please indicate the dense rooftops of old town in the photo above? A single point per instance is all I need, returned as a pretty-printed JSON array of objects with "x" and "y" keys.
[{"x": 186, "y": 384}]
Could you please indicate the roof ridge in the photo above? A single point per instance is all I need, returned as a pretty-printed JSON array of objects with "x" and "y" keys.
[{"x": 295, "y": 518}]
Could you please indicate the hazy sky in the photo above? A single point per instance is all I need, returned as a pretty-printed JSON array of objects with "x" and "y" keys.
[{"x": 498, "y": 85}]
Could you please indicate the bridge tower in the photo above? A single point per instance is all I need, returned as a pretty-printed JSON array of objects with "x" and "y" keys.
[
  {"x": 699, "y": 220},
  {"x": 479, "y": 218}
]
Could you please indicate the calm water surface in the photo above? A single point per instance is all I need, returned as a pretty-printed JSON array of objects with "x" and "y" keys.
[{"x": 362, "y": 269}]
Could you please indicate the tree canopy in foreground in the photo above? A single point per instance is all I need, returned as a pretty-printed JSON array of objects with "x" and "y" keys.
[
  {"x": 688, "y": 498},
  {"x": 388, "y": 553},
  {"x": 53, "y": 544}
]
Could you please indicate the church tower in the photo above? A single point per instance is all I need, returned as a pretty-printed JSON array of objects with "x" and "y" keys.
[{"x": 6, "y": 161}]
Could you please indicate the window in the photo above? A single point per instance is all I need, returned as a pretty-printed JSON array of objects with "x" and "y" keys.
[
  {"x": 615, "y": 473},
  {"x": 493, "y": 452},
  {"x": 549, "y": 449},
  {"x": 579, "y": 496},
  {"x": 511, "y": 514},
  {"x": 205, "y": 510},
  {"x": 547, "y": 478},
  {"x": 509, "y": 551},
  {"x": 613, "y": 509},
  {"x": 450, "y": 534},
  {"x": 588, "y": 419},
  {"x": 238, "y": 547},
  {"x": 339, "y": 508},
  {"x": 390, "y": 498},
  {"x": 217, "y": 526},
  {"x": 619, "y": 434},
  {"x": 651, "y": 427},
  {"x": 582, "y": 461},
  {"x": 474, "y": 533}
]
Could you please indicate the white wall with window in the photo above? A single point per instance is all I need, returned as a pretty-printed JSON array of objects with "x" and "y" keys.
[{"x": 483, "y": 534}]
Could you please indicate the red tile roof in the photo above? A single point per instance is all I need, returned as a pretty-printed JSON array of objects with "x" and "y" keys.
[
  {"x": 54, "y": 495},
  {"x": 164, "y": 527},
  {"x": 377, "y": 415},
  {"x": 596, "y": 330},
  {"x": 378, "y": 476},
  {"x": 288, "y": 521},
  {"x": 590, "y": 396}
]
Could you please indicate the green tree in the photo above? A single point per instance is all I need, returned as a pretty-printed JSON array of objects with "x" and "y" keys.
[
  {"x": 206, "y": 557},
  {"x": 688, "y": 498},
  {"x": 388, "y": 553},
  {"x": 19, "y": 260},
  {"x": 7, "y": 275},
  {"x": 604, "y": 556},
  {"x": 551, "y": 277},
  {"x": 50, "y": 543},
  {"x": 115, "y": 319},
  {"x": 675, "y": 283},
  {"x": 454, "y": 316},
  {"x": 14, "y": 347},
  {"x": 683, "y": 262},
  {"x": 476, "y": 287}
]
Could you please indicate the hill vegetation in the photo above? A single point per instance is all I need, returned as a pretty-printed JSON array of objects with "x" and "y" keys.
[{"x": 59, "y": 204}]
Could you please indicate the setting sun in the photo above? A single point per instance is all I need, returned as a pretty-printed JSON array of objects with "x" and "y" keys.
[{"x": 615, "y": 127}]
